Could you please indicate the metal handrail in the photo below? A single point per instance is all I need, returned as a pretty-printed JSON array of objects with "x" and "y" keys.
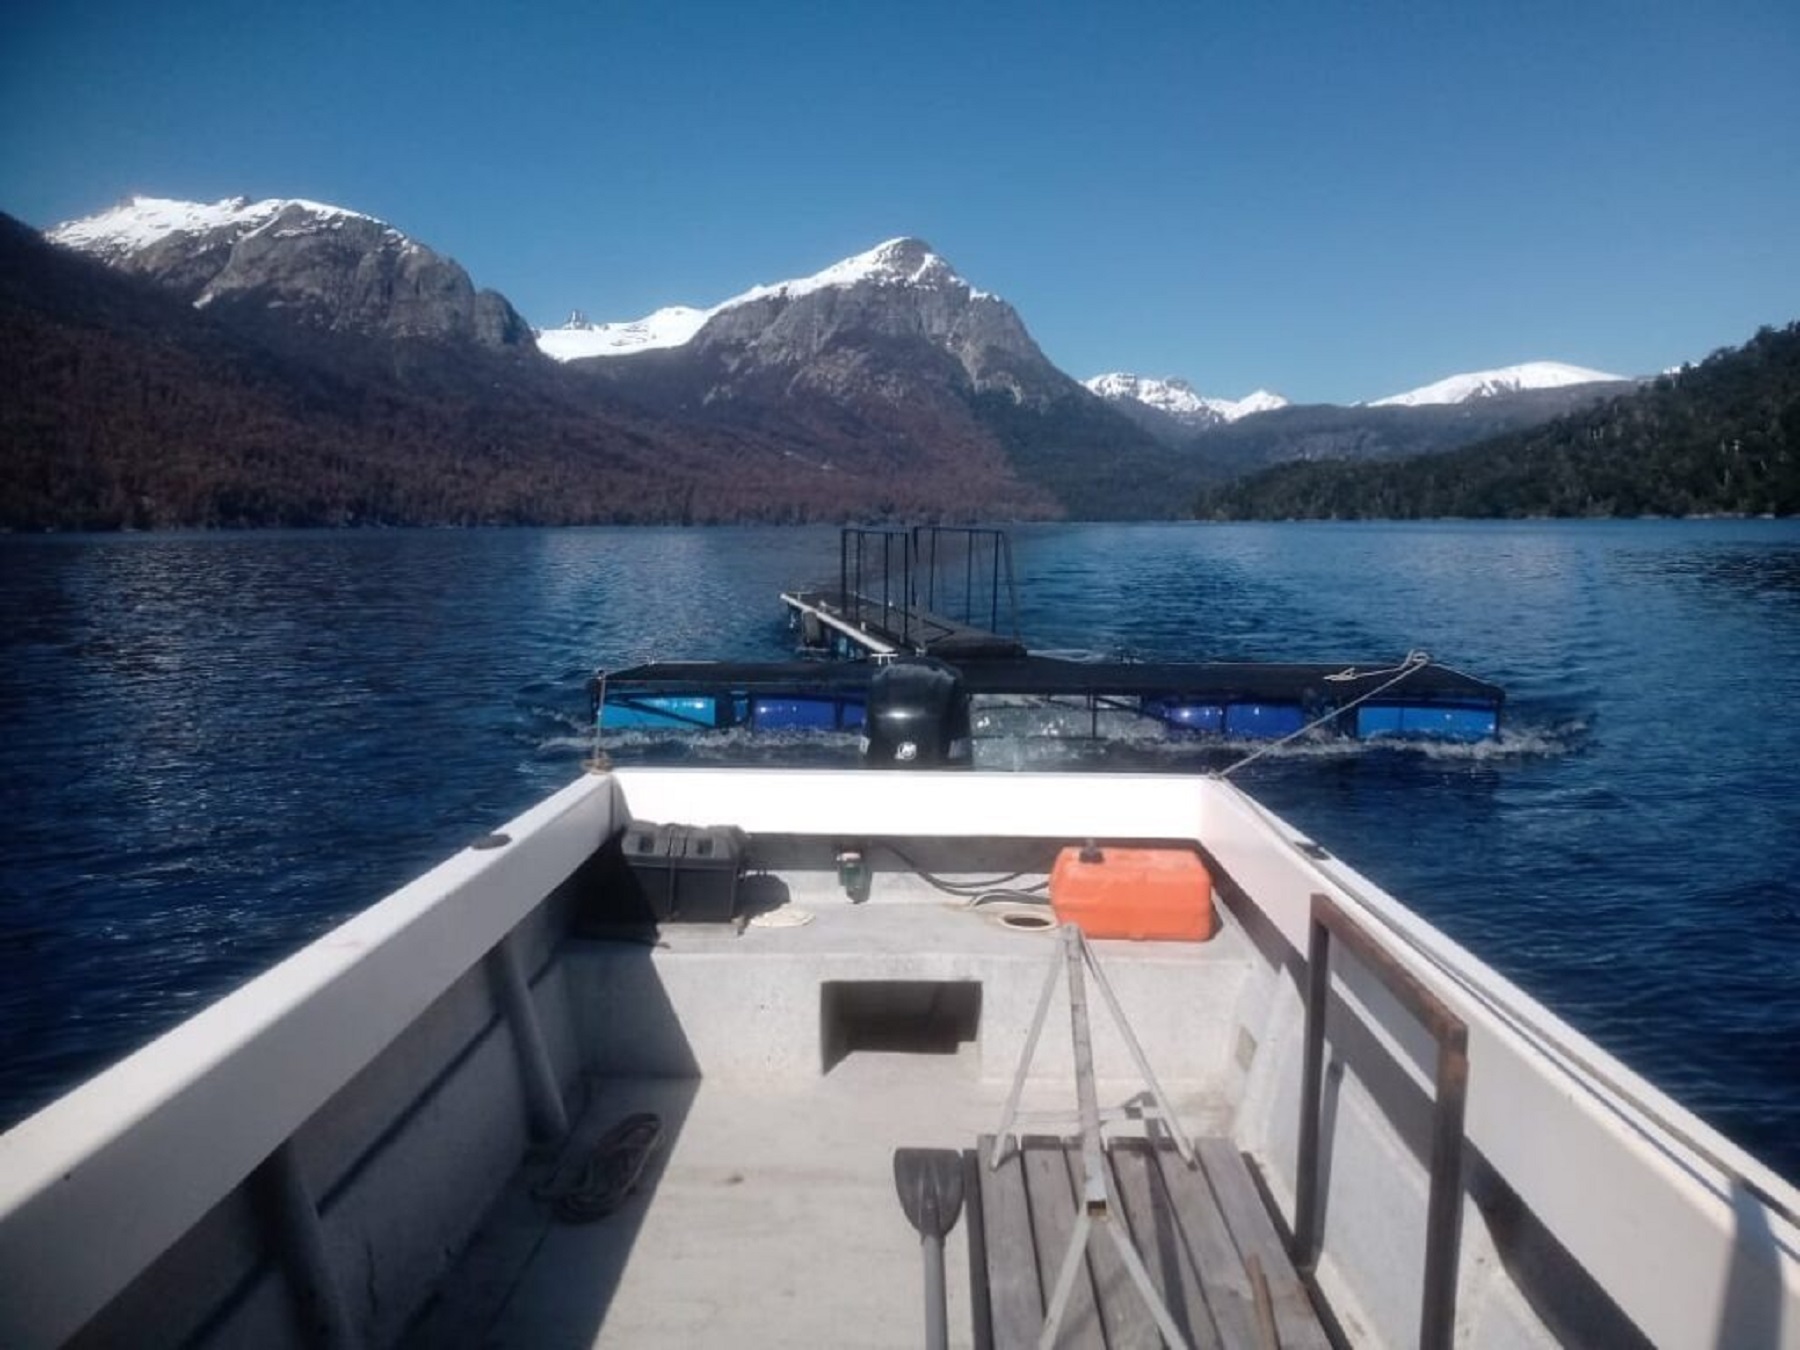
[
  {"x": 997, "y": 566},
  {"x": 1443, "y": 1221},
  {"x": 851, "y": 589}
]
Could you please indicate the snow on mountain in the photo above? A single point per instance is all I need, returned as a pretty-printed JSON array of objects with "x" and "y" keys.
[
  {"x": 898, "y": 262},
  {"x": 1178, "y": 399},
  {"x": 1487, "y": 383},
  {"x": 140, "y": 222},
  {"x": 579, "y": 337},
  {"x": 316, "y": 264},
  {"x": 1260, "y": 401}
]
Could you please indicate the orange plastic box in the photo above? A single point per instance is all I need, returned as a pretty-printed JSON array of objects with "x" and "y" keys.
[{"x": 1147, "y": 893}]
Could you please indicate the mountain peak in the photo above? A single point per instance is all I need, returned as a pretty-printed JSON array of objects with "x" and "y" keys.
[
  {"x": 905, "y": 255},
  {"x": 902, "y": 262},
  {"x": 316, "y": 263},
  {"x": 1179, "y": 400},
  {"x": 905, "y": 261},
  {"x": 1481, "y": 384},
  {"x": 139, "y": 222}
]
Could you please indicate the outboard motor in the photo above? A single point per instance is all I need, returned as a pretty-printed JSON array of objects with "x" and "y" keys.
[{"x": 917, "y": 716}]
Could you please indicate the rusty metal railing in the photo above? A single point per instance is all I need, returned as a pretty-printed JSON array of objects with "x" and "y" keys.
[{"x": 1443, "y": 1212}]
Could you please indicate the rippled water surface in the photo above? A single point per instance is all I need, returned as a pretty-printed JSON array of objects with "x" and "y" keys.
[{"x": 213, "y": 747}]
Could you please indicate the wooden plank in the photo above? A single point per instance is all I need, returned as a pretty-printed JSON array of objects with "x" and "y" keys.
[
  {"x": 1223, "y": 1280},
  {"x": 1254, "y": 1233},
  {"x": 1156, "y": 1232},
  {"x": 1052, "y": 1224},
  {"x": 981, "y": 1313},
  {"x": 1125, "y": 1317},
  {"x": 1015, "y": 1298}
]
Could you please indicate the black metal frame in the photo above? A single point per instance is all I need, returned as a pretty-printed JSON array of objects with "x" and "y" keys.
[
  {"x": 913, "y": 585},
  {"x": 851, "y": 595},
  {"x": 1443, "y": 1221},
  {"x": 997, "y": 564}
]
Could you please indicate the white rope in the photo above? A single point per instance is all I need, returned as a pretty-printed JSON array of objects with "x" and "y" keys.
[{"x": 1415, "y": 660}]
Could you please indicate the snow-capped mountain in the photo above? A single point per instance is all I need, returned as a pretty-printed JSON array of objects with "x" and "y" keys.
[
  {"x": 1178, "y": 399},
  {"x": 887, "y": 358},
  {"x": 865, "y": 328},
  {"x": 322, "y": 264},
  {"x": 137, "y": 224},
  {"x": 897, "y": 263},
  {"x": 1490, "y": 383}
]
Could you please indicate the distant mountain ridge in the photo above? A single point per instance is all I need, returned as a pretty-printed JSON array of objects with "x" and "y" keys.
[
  {"x": 883, "y": 384},
  {"x": 1482, "y": 384},
  {"x": 1226, "y": 438},
  {"x": 1722, "y": 437},
  {"x": 1177, "y": 402},
  {"x": 123, "y": 405}
]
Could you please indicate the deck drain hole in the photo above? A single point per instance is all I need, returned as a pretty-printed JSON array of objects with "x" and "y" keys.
[{"x": 1026, "y": 922}]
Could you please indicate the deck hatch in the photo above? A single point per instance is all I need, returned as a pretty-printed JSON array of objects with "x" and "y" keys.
[{"x": 912, "y": 1017}]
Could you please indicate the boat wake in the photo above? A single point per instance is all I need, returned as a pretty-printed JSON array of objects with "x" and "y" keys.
[{"x": 1040, "y": 739}]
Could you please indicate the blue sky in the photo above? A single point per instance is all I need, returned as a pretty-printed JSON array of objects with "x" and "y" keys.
[{"x": 1336, "y": 201}]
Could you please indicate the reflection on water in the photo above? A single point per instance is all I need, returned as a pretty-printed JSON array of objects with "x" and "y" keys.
[{"x": 213, "y": 747}]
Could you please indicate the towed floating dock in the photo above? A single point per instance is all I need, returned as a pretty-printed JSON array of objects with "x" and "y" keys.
[{"x": 888, "y": 605}]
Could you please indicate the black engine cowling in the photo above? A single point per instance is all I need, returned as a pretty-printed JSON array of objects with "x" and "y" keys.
[{"x": 918, "y": 716}]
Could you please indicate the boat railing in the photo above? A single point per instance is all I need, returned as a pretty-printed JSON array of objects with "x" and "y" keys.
[
  {"x": 250, "y": 1105},
  {"x": 1443, "y": 1222},
  {"x": 1692, "y": 1240}
]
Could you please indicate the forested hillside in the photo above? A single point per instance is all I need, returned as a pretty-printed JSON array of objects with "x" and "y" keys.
[
  {"x": 122, "y": 406},
  {"x": 1722, "y": 437}
]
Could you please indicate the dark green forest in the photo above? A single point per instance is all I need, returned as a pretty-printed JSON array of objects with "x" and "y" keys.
[{"x": 1719, "y": 438}]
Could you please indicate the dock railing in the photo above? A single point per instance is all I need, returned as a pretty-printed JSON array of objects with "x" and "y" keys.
[
  {"x": 986, "y": 562},
  {"x": 899, "y": 581},
  {"x": 870, "y": 597}
]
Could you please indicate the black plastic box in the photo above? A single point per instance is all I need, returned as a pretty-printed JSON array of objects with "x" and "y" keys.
[{"x": 682, "y": 873}]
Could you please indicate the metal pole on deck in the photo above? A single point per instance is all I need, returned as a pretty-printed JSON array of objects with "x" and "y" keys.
[{"x": 1096, "y": 1205}]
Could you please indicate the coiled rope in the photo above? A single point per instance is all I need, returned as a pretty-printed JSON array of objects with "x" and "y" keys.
[
  {"x": 1415, "y": 660},
  {"x": 603, "y": 1178}
]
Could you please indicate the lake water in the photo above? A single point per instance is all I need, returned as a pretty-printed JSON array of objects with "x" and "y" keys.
[{"x": 213, "y": 747}]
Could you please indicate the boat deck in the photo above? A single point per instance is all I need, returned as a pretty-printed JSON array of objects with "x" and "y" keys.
[
  {"x": 1205, "y": 1239},
  {"x": 768, "y": 1216},
  {"x": 770, "y": 1219}
]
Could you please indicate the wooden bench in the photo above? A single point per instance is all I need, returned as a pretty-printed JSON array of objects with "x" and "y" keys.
[{"x": 1196, "y": 1228}]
